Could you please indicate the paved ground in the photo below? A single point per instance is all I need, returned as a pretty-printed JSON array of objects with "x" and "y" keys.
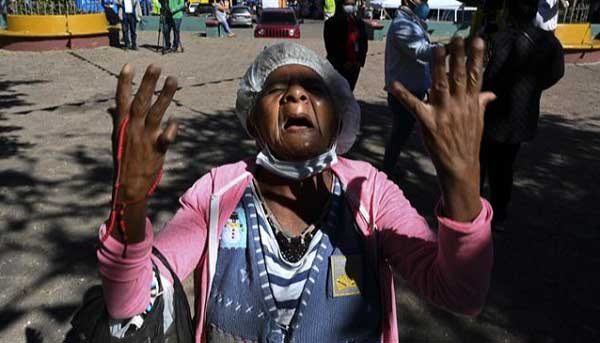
[{"x": 55, "y": 173}]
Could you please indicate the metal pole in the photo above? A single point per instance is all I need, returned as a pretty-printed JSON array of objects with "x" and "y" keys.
[
  {"x": 180, "y": 40},
  {"x": 160, "y": 25}
]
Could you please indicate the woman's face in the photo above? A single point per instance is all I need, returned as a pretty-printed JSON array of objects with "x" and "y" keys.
[{"x": 294, "y": 115}]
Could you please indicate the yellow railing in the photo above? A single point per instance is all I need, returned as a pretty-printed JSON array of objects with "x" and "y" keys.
[
  {"x": 577, "y": 37},
  {"x": 55, "y": 25}
]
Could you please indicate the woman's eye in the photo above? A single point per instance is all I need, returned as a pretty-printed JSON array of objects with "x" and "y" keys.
[{"x": 274, "y": 90}]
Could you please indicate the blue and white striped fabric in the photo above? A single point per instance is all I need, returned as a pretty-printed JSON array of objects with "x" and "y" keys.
[{"x": 287, "y": 279}]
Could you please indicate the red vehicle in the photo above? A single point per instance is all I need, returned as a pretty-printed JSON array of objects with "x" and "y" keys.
[{"x": 277, "y": 23}]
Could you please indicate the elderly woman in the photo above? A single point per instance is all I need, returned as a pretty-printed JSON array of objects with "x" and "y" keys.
[{"x": 298, "y": 243}]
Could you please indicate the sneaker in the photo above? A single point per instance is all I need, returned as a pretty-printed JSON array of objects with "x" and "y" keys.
[
  {"x": 231, "y": 35},
  {"x": 134, "y": 48}
]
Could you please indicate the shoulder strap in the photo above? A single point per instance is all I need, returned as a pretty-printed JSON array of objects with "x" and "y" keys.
[{"x": 183, "y": 318}]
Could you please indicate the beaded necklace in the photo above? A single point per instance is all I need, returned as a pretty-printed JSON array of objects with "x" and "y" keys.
[{"x": 292, "y": 248}]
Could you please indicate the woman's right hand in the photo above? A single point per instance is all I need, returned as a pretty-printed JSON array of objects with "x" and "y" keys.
[{"x": 144, "y": 143}]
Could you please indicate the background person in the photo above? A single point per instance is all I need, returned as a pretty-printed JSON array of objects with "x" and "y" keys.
[
  {"x": 525, "y": 61},
  {"x": 221, "y": 14},
  {"x": 130, "y": 12},
  {"x": 547, "y": 15},
  {"x": 329, "y": 9},
  {"x": 173, "y": 14},
  {"x": 146, "y": 7},
  {"x": 263, "y": 236},
  {"x": 346, "y": 41},
  {"x": 408, "y": 53}
]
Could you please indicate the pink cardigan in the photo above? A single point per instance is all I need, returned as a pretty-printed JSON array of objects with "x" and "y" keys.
[{"x": 451, "y": 269}]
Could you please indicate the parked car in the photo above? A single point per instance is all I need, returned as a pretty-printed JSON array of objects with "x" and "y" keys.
[
  {"x": 277, "y": 23},
  {"x": 240, "y": 16},
  {"x": 197, "y": 9}
]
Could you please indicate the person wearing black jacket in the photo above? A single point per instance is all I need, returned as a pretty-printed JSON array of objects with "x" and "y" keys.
[
  {"x": 525, "y": 60},
  {"x": 346, "y": 41}
]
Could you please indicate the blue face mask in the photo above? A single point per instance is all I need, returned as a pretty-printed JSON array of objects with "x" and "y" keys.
[{"x": 422, "y": 11}]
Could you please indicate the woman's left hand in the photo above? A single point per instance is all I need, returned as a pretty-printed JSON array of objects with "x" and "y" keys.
[{"x": 452, "y": 124}]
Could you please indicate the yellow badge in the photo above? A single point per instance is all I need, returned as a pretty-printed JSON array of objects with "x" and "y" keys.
[{"x": 346, "y": 274}]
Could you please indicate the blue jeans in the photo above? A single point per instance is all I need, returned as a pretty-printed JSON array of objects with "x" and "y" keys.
[
  {"x": 146, "y": 7},
  {"x": 223, "y": 20},
  {"x": 128, "y": 24},
  {"x": 403, "y": 123},
  {"x": 175, "y": 24}
]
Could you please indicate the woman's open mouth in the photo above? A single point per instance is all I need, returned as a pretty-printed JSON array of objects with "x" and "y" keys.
[{"x": 297, "y": 124}]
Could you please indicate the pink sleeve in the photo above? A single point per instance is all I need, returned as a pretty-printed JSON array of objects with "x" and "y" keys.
[
  {"x": 127, "y": 279},
  {"x": 451, "y": 269}
]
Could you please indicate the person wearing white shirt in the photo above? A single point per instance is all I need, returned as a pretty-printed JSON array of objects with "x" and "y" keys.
[
  {"x": 547, "y": 16},
  {"x": 130, "y": 12}
]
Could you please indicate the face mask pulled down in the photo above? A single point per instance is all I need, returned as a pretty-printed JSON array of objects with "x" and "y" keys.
[{"x": 296, "y": 170}]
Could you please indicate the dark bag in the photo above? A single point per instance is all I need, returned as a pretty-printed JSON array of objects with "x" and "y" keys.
[{"x": 91, "y": 322}]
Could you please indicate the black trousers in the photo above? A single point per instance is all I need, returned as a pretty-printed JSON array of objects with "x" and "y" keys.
[
  {"x": 497, "y": 164},
  {"x": 350, "y": 76},
  {"x": 129, "y": 25}
]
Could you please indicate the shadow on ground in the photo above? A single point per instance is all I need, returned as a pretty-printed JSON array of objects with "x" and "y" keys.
[
  {"x": 544, "y": 280},
  {"x": 10, "y": 144},
  {"x": 545, "y": 272}
]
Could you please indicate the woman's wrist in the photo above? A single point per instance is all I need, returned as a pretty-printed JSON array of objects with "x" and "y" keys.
[
  {"x": 131, "y": 223},
  {"x": 461, "y": 198}
]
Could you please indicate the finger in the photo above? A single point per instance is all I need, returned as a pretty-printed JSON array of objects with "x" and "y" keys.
[
  {"x": 475, "y": 66},
  {"x": 159, "y": 107},
  {"x": 484, "y": 99},
  {"x": 167, "y": 136},
  {"x": 439, "y": 90},
  {"x": 123, "y": 94},
  {"x": 411, "y": 102},
  {"x": 141, "y": 102},
  {"x": 458, "y": 73}
]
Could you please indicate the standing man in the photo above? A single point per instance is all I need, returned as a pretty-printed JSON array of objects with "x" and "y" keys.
[
  {"x": 173, "y": 12},
  {"x": 130, "y": 12},
  {"x": 146, "y": 7},
  {"x": 346, "y": 41},
  {"x": 408, "y": 53},
  {"x": 525, "y": 61}
]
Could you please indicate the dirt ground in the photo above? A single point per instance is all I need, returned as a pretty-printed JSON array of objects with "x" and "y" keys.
[{"x": 55, "y": 182}]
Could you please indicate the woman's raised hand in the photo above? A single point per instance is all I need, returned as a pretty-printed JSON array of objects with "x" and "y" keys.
[
  {"x": 452, "y": 124},
  {"x": 143, "y": 143}
]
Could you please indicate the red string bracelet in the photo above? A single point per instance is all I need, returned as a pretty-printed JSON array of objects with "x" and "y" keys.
[{"x": 117, "y": 211}]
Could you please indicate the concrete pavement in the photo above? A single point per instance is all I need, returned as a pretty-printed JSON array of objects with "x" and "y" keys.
[{"x": 55, "y": 179}]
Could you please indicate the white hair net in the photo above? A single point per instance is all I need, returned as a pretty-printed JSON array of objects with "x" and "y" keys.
[{"x": 287, "y": 53}]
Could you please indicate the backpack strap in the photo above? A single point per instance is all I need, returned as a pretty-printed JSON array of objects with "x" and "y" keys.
[{"x": 183, "y": 318}]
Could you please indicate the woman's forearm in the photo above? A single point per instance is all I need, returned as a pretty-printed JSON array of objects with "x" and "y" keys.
[
  {"x": 461, "y": 197},
  {"x": 134, "y": 218}
]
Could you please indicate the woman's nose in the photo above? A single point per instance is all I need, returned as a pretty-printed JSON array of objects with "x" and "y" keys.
[{"x": 295, "y": 94}]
